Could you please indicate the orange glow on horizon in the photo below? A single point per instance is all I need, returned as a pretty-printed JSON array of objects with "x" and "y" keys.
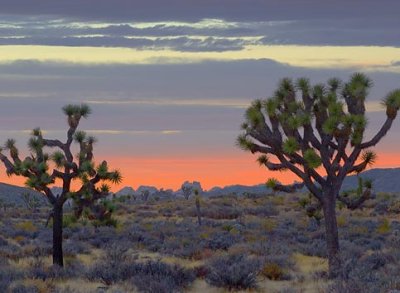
[{"x": 171, "y": 172}]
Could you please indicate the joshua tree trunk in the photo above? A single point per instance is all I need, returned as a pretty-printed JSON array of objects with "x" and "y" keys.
[
  {"x": 198, "y": 211},
  {"x": 331, "y": 231},
  {"x": 57, "y": 235}
]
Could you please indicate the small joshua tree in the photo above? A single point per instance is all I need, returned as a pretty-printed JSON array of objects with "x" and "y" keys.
[
  {"x": 318, "y": 134},
  {"x": 187, "y": 190},
  {"x": 45, "y": 169},
  {"x": 30, "y": 201}
]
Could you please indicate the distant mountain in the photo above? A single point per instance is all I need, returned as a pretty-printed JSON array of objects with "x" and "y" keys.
[
  {"x": 127, "y": 190},
  {"x": 145, "y": 188},
  {"x": 11, "y": 194},
  {"x": 237, "y": 189},
  {"x": 383, "y": 180}
]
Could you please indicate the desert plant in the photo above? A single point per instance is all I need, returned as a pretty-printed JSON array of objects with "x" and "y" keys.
[
  {"x": 37, "y": 169},
  {"x": 234, "y": 272},
  {"x": 31, "y": 202},
  {"x": 318, "y": 131},
  {"x": 272, "y": 271},
  {"x": 156, "y": 276},
  {"x": 187, "y": 190}
]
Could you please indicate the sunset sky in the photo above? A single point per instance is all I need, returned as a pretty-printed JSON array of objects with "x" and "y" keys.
[{"x": 169, "y": 81}]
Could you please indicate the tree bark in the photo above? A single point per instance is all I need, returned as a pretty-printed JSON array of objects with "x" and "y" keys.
[
  {"x": 58, "y": 235},
  {"x": 331, "y": 232}
]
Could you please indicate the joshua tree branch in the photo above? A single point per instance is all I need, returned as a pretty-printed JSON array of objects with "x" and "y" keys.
[
  {"x": 381, "y": 133},
  {"x": 53, "y": 143},
  {"x": 353, "y": 204},
  {"x": 9, "y": 166},
  {"x": 288, "y": 188}
]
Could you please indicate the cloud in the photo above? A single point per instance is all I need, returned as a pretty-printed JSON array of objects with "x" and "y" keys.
[
  {"x": 183, "y": 10},
  {"x": 353, "y": 57},
  {"x": 203, "y": 35},
  {"x": 183, "y": 44},
  {"x": 133, "y": 132}
]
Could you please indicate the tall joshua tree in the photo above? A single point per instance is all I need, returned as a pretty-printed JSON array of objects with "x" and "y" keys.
[
  {"x": 44, "y": 169},
  {"x": 317, "y": 132}
]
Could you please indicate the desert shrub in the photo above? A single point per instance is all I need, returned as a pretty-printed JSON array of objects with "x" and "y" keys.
[
  {"x": 367, "y": 282},
  {"x": 384, "y": 227},
  {"x": 233, "y": 272},
  {"x": 21, "y": 288},
  {"x": 3, "y": 242},
  {"x": 11, "y": 251},
  {"x": 159, "y": 277},
  {"x": 115, "y": 267},
  {"x": 350, "y": 250},
  {"x": 369, "y": 243},
  {"x": 27, "y": 226},
  {"x": 394, "y": 207},
  {"x": 147, "y": 214},
  {"x": 223, "y": 240},
  {"x": 315, "y": 247},
  {"x": 394, "y": 239},
  {"x": 382, "y": 208},
  {"x": 266, "y": 210},
  {"x": 7, "y": 229},
  {"x": 36, "y": 249},
  {"x": 72, "y": 269},
  {"x": 7, "y": 276},
  {"x": 45, "y": 236},
  {"x": 69, "y": 221},
  {"x": 313, "y": 225},
  {"x": 343, "y": 286},
  {"x": 103, "y": 236},
  {"x": 201, "y": 271},
  {"x": 72, "y": 248},
  {"x": 273, "y": 252},
  {"x": 376, "y": 260},
  {"x": 272, "y": 271},
  {"x": 108, "y": 274},
  {"x": 377, "y": 272},
  {"x": 68, "y": 289},
  {"x": 37, "y": 269},
  {"x": 220, "y": 212},
  {"x": 81, "y": 233}
]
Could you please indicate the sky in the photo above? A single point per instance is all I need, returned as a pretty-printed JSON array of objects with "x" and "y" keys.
[{"x": 169, "y": 84}]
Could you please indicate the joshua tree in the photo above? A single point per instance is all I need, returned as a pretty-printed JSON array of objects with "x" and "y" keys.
[
  {"x": 318, "y": 134},
  {"x": 30, "y": 201},
  {"x": 187, "y": 190},
  {"x": 43, "y": 169},
  {"x": 145, "y": 195}
]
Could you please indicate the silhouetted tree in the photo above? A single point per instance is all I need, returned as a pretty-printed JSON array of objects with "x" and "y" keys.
[
  {"x": 43, "y": 170},
  {"x": 187, "y": 190},
  {"x": 313, "y": 132},
  {"x": 31, "y": 201}
]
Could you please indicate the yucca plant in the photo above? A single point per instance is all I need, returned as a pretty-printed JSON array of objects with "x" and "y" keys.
[
  {"x": 317, "y": 132},
  {"x": 37, "y": 168}
]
